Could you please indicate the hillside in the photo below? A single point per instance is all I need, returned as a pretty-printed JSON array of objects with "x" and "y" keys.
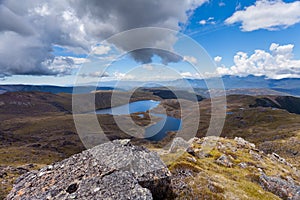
[
  {"x": 32, "y": 137},
  {"x": 13, "y": 104}
]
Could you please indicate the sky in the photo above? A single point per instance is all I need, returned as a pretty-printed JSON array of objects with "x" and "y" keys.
[{"x": 60, "y": 42}]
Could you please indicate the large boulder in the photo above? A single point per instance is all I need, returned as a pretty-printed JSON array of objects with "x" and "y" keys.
[{"x": 114, "y": 170}]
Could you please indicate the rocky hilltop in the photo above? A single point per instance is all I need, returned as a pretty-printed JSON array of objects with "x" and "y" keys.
[{"x": 206, "y": 168}]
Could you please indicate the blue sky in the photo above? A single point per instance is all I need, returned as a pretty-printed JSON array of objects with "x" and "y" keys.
[
  {"x": 52, "y": 41},
  {"x": 222, "y": 40}
]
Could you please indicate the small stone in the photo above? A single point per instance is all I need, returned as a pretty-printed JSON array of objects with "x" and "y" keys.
[
  {"x": 255, "y": 156},
  {"x": 124, "y": 142},
  {"x": 275, "y": 156},
  {"x": 178, "y": 143},
  {"x": 260, "y": 170},
  {"x": 41, "y": 174},
  {"x": 195, "y": 140},
  {"x": 192, "y": 159},
  {"x": 30, "y": 165},
  {"x": 191, "y": 151},
  {"x": 243, "y": 143},
  {"x": 243, "y": 165},
  {"x": 202, "y": 154},
  {"x": 73, "y": 196},
  {"x": 2, "y": 174},
  {"x": 224, "y": 160},
  {"x": 230, "y": 157}
]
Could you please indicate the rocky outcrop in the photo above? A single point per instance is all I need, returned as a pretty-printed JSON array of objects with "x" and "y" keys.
[
  {"x": 211, "y": 166},
  {"x": 114, "y": 170},
  {"x": 207, "y": 169},
  {"x": 282, "y": 188}
]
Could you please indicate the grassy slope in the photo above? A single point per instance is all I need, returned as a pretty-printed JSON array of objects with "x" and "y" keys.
[
  {"x": 203, "y": 178},
  {"x": 268, "y": 128}
]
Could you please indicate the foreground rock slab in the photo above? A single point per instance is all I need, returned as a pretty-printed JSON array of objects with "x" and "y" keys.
[{"x": 114, "y": 170}]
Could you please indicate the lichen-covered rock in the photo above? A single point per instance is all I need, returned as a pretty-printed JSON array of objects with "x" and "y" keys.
[
  {"x": 232, "y": 169},
  {"x": 224, "y": 160},
  {"x": 114, "y": 170},
  {"x": 282, "y": 188},
  {"x": 243, "y": 143}
]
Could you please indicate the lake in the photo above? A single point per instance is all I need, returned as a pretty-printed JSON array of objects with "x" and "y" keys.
[
  {"x": 127, "y": 109},
  {"x": 155, "y": 132}
]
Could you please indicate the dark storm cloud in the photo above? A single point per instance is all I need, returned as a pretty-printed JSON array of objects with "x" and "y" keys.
[
  {"x": 124, "y": 15},
  {"x": 145, "y": 56},
  {"x": 29, "y": 29},
  {"x": 12, "y": 22}
]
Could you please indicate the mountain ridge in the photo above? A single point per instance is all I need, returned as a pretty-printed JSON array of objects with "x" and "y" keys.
[{"x": 286, "y": 85}]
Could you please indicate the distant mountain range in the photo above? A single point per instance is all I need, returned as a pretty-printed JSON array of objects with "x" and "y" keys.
[
  {"x": 50, "y": 88},
  {"x": 233, "y": 84}
]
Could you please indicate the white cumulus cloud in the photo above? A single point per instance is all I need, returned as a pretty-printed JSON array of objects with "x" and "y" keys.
[
  {"x": 276, "y": 63},
  {"x": 190, "y": 59},
  {"x": 202, "y": 22},
  {"x": 101, "y": 50},
  {"x": 267, "y": 14},
  {"x": 210, "y": 20},
  {"x": 218, "y": 59}
]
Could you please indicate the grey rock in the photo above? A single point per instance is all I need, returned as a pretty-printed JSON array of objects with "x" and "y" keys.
[
  {"x": 243, "y": 165},
  {"x": 178, "y": 143},
  {"x": 282, "y": 188},
  {"x": 192, "y": 159},
  {"x": 276, "y": 157},
  {"x": 255, "y": 156},
  {"x": 243, "y": 143},
  {"x": 224, "y": 160},
  {"x": 114, "y": 170},
  {"x": 202, "y": 154}
]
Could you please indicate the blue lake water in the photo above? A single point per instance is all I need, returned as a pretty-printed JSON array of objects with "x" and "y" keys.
[
  {"x": 154, "y": 132},
  {"x": 158, "y": 131},
  {"x": 138, "y": 106}
]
